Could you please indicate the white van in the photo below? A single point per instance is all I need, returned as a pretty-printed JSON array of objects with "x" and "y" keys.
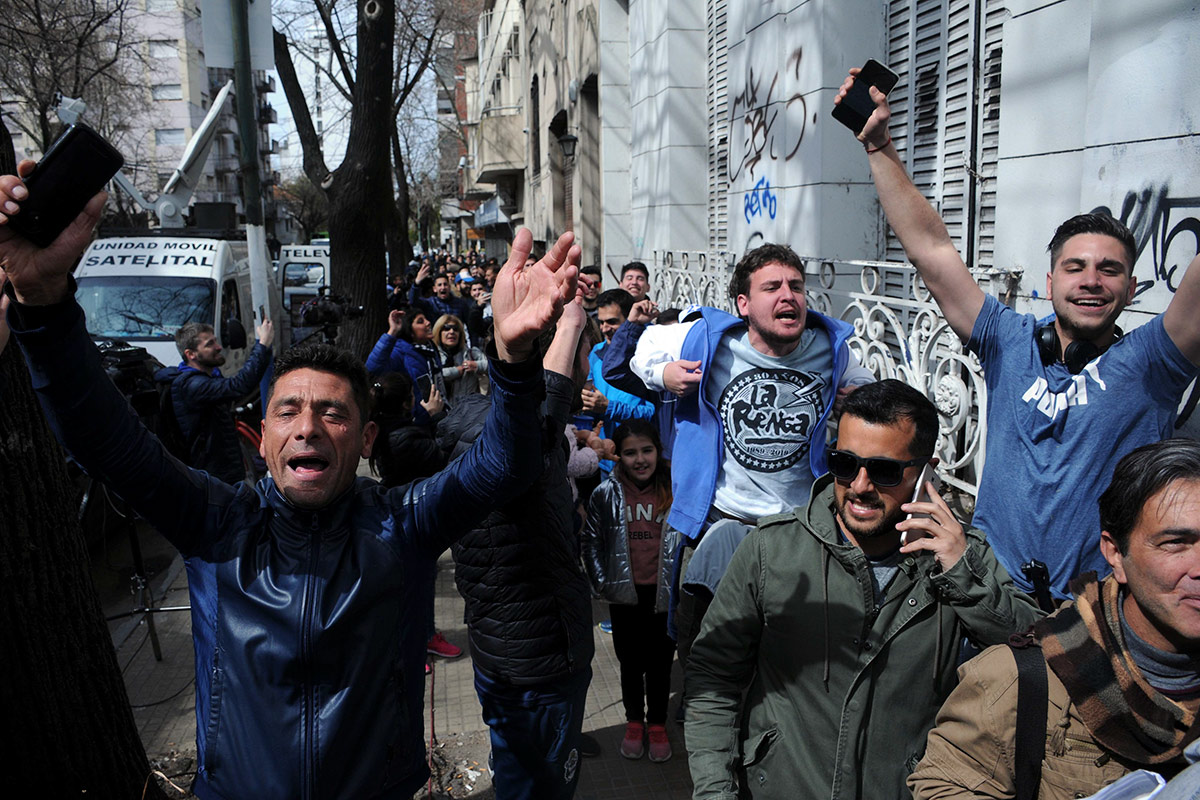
[
  {"x": 143, "y": 289},
  {"x": 303, "y": 269}
]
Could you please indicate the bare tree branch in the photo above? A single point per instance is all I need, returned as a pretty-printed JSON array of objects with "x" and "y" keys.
[{"x": 310, "y": 142}]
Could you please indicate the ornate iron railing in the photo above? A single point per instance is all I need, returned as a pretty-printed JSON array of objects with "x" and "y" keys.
[{"x": 898, "y": 333}]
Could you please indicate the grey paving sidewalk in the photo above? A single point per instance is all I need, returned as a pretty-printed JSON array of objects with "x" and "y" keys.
[{"x": 162, "y": 694}]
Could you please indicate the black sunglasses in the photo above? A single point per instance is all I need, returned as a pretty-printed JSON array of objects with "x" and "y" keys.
[{"x": 882, "y": 471}]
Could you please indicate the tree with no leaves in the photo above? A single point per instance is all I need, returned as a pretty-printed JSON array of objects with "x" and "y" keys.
[
  {"x": 306, "y": 203},
  {"x": 377, "y": 67}
]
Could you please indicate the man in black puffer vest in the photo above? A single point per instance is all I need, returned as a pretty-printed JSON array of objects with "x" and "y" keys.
[{"x": 528, "y": 604}]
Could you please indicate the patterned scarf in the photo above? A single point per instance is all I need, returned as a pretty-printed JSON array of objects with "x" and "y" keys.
[{"x": 1083, "y": 645}]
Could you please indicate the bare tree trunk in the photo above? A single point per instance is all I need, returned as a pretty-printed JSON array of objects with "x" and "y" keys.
[
  {"x": 360, "y": 196},
  {"x": 399, "y": 246},
  {"x": 310, "y": 142},
  {"x": 68, "y": 728}
]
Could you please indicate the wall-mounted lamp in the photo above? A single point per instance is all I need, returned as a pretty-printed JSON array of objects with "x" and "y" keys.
[{"x": 568, "y": 142}]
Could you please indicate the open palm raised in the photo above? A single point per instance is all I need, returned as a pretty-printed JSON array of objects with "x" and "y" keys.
[{"x": 525, "y": 300}]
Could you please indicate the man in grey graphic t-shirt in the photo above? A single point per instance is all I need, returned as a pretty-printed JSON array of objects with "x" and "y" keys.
[
  {"x": 769, "y": 407},
  {"x": 755, "y": 393}
]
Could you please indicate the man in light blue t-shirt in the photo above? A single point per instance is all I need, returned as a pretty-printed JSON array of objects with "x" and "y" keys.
[{"x": 1067, "y": 396}]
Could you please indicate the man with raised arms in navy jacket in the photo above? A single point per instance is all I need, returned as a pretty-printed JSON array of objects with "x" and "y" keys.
[{"x": 309, "y": 592}]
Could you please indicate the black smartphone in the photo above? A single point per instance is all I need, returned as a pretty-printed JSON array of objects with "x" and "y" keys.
[
  {"x": 424, "y": 387},
  {"x": 78, "y": 164},
  {"x": 857, "y": 106}
]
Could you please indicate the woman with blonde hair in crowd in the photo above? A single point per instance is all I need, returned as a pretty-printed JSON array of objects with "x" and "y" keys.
[{"x": 463, "y": 366}]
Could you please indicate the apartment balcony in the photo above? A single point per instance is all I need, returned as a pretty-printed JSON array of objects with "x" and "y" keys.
[{"x": 501, "y": 150}]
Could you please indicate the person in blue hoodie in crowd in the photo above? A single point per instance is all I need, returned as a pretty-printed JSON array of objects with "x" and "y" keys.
[
  {"x": 408, "y": 346},
  {"x": 201, "y": 396},
  {"x": 605, "y": 403}
]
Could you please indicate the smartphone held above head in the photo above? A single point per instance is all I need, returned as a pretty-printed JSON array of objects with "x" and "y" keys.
[
  {"x": 856, "y": 107},
  {"x": 78, "y": 165}
]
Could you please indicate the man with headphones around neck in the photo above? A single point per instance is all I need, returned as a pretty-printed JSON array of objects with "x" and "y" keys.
[{"x": 1068, "y": 396}]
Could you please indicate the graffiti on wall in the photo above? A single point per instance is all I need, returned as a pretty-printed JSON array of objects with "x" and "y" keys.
[
  {"x": 760, "y": 201},
  {"x": 763, "y": 134},
  {"x": 1162, "y": 225}
]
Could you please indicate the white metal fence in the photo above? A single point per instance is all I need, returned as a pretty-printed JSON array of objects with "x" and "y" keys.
[{"x": 898, "y": 333}]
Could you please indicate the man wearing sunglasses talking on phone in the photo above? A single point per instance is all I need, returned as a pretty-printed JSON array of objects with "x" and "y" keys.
[{"x": 843, "y": 641}]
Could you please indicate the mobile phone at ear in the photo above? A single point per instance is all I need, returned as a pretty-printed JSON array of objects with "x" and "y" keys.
[
  {"x": 920, "y": 495},
  {"x": 76, "y": 166},
  {"x": 857, "y": 106}
]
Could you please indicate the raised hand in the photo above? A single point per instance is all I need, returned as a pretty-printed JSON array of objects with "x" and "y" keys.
[
  {"x": 265, "y": 332},
  {"x": 435, "y": 404},
  {"x": 643, "y": 311},
  {"x": 594, "y": 402},
  {"x": 573, "y": 314},
  {"x": 39, "y": 274},
  {"x": 875, "y": 133},
  {"x": 940, "y": 532},
  {"x": 395, "y": 321},
  {"x": 525, "y": 300}
]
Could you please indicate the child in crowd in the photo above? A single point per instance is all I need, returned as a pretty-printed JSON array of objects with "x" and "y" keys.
[{"x": 629, "y": 552}]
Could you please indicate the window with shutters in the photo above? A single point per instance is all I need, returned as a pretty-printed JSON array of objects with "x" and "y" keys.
[
  {"x": 945, "y": 112},
  {"x": 718, "y": 129}
]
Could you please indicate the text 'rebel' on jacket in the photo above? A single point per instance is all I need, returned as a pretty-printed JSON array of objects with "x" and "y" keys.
[
  {"x": 528, "y": 611},
  {"x": 309, "y": 627},
  {"x": 839, "y": 695}
]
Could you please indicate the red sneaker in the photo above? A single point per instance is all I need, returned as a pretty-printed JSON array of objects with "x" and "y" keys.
[
  {"x": 438, "y": 646},
  {"x": 631, "y": 745},
  {"x": 660, "y": 746}
]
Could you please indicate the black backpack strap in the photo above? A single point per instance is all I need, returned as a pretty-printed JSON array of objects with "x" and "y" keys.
[{"x": 1033, "y": 695}]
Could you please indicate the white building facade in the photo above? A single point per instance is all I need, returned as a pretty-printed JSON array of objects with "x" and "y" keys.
[{"x": 714, "y": 135}]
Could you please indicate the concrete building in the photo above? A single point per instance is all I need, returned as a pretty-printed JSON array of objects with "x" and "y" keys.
[
  {"x": 179, "y": 90},
  {"x": 493, "y": 107},
  {"x": 702, "y": 128},
  {"x": 456, "y": 71}
]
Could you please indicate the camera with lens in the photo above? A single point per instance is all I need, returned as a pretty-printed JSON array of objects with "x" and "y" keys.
[{"x": 329, "y": 309}]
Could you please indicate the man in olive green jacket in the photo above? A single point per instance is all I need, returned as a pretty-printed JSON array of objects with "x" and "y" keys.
[{"x": 842, "y": 640}]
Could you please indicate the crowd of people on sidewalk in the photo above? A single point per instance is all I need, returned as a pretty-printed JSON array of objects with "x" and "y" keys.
[{"x": 737, "y": 487}]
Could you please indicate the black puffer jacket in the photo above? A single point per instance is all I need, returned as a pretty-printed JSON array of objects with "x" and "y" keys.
[
  {"x": 529, "y": 612},
  {"x": 406, "y": 450}
]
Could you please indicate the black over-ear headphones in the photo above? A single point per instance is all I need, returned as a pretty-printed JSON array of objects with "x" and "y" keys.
[{"x": 1077, "y": 355}]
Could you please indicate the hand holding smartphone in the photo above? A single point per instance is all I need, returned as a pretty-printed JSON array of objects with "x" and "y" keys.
[
  {"x": 74, "y": 168},
  {"x": 857, "y": 106},
  {"x": 921, "y": 495}
]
